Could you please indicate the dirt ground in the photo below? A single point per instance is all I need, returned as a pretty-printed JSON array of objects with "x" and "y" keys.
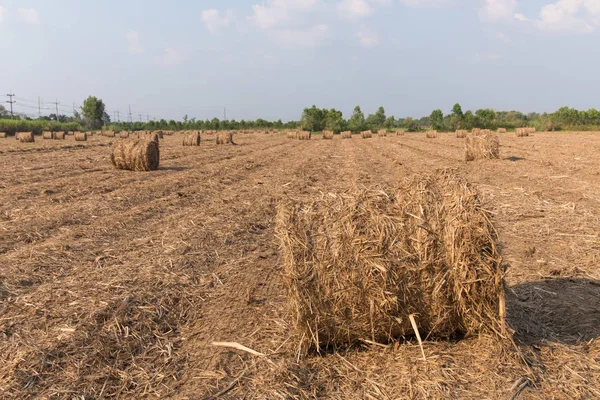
[{"x": 115, "y": 284}]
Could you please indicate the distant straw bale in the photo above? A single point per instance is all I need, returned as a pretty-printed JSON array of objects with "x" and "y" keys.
[
  {"x": 59, "y": 135},
  {"x": 484, "y": 146},
  {"x": 501, "y": 130},
  {"x": 346, "y": 135},
  {"x": 25, "y": 137},
  {"x": 191, "y": 139},
  {"x": 2, "y": 135},
  {"x": 225, "y": 138},
  {"x": 400, "y": 132},
  {"x": 328, "y": 135},
  {"x": 135, "y": 155},
  {"x": 366, "y": 134},
  {"x": 358, "y": 264},
  {"x": 292, "y": 135},
  {"x": 461, "y": 133},
  {"x": 81, "y": 136},
  {"x": 125, "y": 135},
  {"x": 109, "y": 134},
  {"x": 48, "y": 135},
  {"x": 431, "y": 134},
  {"x": 304, "y": 135},
  {"x": 381, "y": 133}
]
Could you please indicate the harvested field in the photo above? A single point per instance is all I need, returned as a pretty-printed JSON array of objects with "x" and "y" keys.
[{"x": 116, "y": 284}]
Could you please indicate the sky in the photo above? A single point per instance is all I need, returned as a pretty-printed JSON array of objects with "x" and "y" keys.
[{"x": 272, "y": 58}]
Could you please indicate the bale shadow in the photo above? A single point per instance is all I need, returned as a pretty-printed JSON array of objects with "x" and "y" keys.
[
  {"x": 173, "y": 168},
  {"x": 562, "y": 310},
  {"x": 514, "y": 158}
]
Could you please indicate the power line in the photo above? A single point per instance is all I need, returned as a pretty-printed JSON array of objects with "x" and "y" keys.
[
  {"x": 129, "y": 118},
  {"x": 11, "y": 101},
  {"x": 56, "y": 103}
]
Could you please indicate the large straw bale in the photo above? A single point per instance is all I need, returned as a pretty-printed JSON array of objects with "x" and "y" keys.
[
  {"x": 191, "y": 139},
  {"x": 25, "y": 137},
  {"x": 327, "y": 135},
  {"x": 48, "y": 135},
  {"x": 381, "y": 133},
  {"x": 461, "y": 133},
  {"x": 125, "y": 135},
  {"x": 521, "y": 132},
  {"x": 135, "y": 155},
  {"x": 59, "y": 135},
  {"x": 431, "y": 134},
  {"x": 2, "y": 135},
  {"x": 81, "y": 136},
  {"x": 109, "y": 134},
  {"x": 346, "y": 135},
  {"x": 304, "y": 135},
  {"x": 292, "y": 135},
  {"x": 482, "y": 146},
  {"x": 225, "y": 138},
  {"x": 366, "y": 134},
  {"x": 358, "y": 264},
  {"x": 501, "y": 130},
  {"x": 400, "y": 132}
]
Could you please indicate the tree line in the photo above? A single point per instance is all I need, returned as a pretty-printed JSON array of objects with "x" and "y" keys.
[{"x": 93, "y": 116}]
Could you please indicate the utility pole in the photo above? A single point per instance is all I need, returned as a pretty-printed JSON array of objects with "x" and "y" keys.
[
  {"x": 39, "y": 107},
  {"x": 56, "y": 103},
  {"x": 224, "y": 113},
  {"x": 117, "y": 112},
  {"x": 11, "y": 101},
  {"x": 129, "y": 118},
  {"x": 147, "y": 118}
]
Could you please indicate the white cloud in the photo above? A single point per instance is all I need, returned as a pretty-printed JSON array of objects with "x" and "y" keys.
[
  {"x": 28, "y": 16},
  {"x": 133, "y": 42},
  {"x": 355, "y": 8},
  {"x": 367, "y": 37},
  {"x": 275, "y": 12},
  {"x": 214, "y": 20},
  {"x": 170, "y": 57},
  {"x": 303, "y": 38},
  {"x": 578, "y": 16},
  {"x": 498, "y": 9}
]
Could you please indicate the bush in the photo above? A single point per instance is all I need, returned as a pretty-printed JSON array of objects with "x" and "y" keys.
[{"x": 37, "y": 127}]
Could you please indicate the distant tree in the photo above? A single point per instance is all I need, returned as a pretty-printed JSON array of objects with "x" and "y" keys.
[
  {"x": 390, "y": 122},
  {"x": 356, "y": 123},
  {"x": 437, "y": 119},
  {"x": 335, "y": 121},
  {"x": 410, "y": 124},
  {"x": 93, "y": 111},
  {"x": 456, "y": 118},
  {"x": 486, "y": 118},
  {"x": 380, "y": 117},
  {"x": 3, "y": 112},
  {"x": 592, "y": 116},
  {"x": 313, "y": 119},
  {"x": 469, "y": 120}
]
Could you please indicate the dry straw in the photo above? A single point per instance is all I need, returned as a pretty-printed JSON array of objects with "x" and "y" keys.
[
  {"x": 191, "y": 139},
  {"x": 48, "y": 135},
  {"x": 431, "y": 134},
  {"x": 124, "y": 135},
  {"x": 366, "y": 134},
  {"x": 135, "y": 155},
  {"x": 225, "y": 138},
  {"x": 328, "y": 135},
  {"x": 501, "y": 130},
  {"x": 461, "y": 133},
  {"x": 25, "y": 137},
  {"x": 400, "y": 132},
  {"x": 304, "y": 135},
  {"x": 292, "y": 135},
  {"x": 346, "y": 135},
  {"x": 381, "y": 133},
  {"x": 59, "y": 135},
  {"x": 109, "y": 134},
  {"x": 521, "y": 132},
  {"x": 358, "y": 264},
  {"x": 81, "y": 136},
  {"x": 2, "y": 135},
  {"x": 483, "y": 146}
]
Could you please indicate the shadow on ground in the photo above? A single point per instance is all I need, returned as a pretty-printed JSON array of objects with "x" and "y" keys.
[{"x": 562, "y": 310}]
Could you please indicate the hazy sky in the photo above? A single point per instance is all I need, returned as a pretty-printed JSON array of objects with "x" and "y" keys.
[{"x": 272, "y": 58}]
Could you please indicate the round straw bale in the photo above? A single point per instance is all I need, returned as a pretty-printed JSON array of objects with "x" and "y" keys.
[
  {"x": 25, "y": 137},
  {"x": 328, "y": 135},
  {"x": 346, "y": 135},
  {"x": 48, "y": 135},
  {"x": 59, "y": 135},
  {"x": 461, "y": 133},
  {"x": 292, "y": 135},
  {"x": 366, "y": 134},
  {"x": 304, "y": 135},
  {"x": 135, "y": 155},
  {"x": 192, "y": 139},
  {"x": 81, "y": 136},
  {"x": 124, "y": 135},
  {"x": 225, "y": 138},
  {"x": 358, "y": 264},
  {"x": 431, "y": 134},
  {"x": 2, "y": 135},
  {"x": 400, "y": 132},
  {"x": 160, "y": 134},
  {"x": 109, "y": 134},
  {"x": 501, "y": 130},
  {"x": 381, "y": 133},
  {"x": 482, "y": 146}
]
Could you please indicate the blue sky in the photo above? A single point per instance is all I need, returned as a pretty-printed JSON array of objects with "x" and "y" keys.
[{"x": 272, "y": 58}]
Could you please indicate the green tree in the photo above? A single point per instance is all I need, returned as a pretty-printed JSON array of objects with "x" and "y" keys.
[
  {"x": 356, "y": 123},
  {"x": 410, "y": 124},
  {"x": 469, "y": 120},
  {"x": 380, "y": 117},
  {"x": 592, "y": 116},
  {"x": 486, "y": 118},
  {"x": 313, "y": 119},
  {"x": 335, "y": 121},
  {"x": 93, "y": 111},
  {"x": 390, "y": 122},
  {"x": 437, "y": 119},
  {"x": 456, "y": 118}
]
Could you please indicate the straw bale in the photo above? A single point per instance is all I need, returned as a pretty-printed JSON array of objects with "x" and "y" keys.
[
  {"x": 501, "y": 130},
  {"x": 25, "y": 137},
  {"x": 109, "y": 134},
  {"x": 431, "y": 134},
  {"x": 135, "y": 155},
  {"x": 59, "y": 135},
  {"x": 327, "y": 135},
  {"x": 125, "y": 135},
  {"x": 304, "y": 135},
  {"x": 48, "y": 135},
  {"x": 81, "y": 136},
  {"x": 366, "y": 134},
  {"x": 225, "y": 138},
  {"x": 358, "y": 264},
  {"x": 461, "y": 133},
  {"x": 191, "y": 139},
  {"x": 292, "y": 135},
  {"x": 381, "y": 133},
  {"x": 400, "y": 132},
  {"x": 2, "y": 135},
  {"x": 347, "y": 135},
  {"x": 483, "y": 146}
]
